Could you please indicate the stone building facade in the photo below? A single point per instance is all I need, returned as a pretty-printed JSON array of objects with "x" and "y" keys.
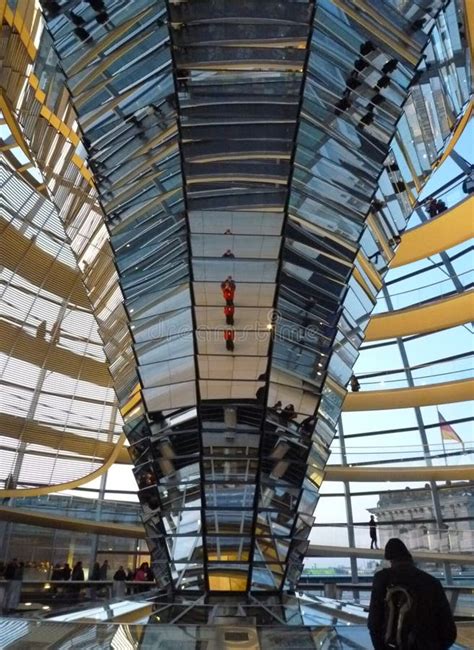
[{"x": 409, "y": 514}]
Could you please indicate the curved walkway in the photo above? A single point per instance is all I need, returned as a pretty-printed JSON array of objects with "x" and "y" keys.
[
  {"x": 85, "y": 446},
  {"x": 451, "y": 228},
  {"x": 15, "y": 342},
  {"x": 315, "y": 550},
  {"x": 448, "y": 392},
  {"x": 70, "y": 485},
  {"x": 19, "y": 254},
  {"x": 20, "y": 516},
  {"x": 430, "y": 317},
  {"x": 138, "y": 532},
  {"x": 414, "y": 473},
  {"x": 399, "y": 398}
]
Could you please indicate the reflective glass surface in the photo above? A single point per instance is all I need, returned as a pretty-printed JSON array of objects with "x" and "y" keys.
[
  {"x": 280, "y": 146},
  {"x": 20, "y": 633}
]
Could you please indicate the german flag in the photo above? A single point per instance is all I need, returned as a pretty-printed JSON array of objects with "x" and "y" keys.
[{"x": 447, "y": 431}]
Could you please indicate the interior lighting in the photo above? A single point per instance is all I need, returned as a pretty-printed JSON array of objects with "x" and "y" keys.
[
  {"x": 269, "y": 326},
  {"x": 46, "y": 607},
  {"x": 47, "y": 586},
  {"x": 28, "y": 604}
]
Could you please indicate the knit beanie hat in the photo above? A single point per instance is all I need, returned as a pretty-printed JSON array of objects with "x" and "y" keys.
[{"x": 395, "y": 549}]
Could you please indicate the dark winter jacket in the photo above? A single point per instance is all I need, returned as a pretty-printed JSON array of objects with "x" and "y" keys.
[{"x": 434, "y": 627}]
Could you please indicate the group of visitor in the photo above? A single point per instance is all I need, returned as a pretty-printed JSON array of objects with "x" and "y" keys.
[
  {"x": 228, "y": 288},
  {"x": 12, "y": 576},
  {"x": 435, "y": 207}
]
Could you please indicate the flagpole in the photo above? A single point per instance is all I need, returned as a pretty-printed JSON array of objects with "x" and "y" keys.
[
  {"x": 444, "y": 448},
  {"x": 442, "y": 438}
]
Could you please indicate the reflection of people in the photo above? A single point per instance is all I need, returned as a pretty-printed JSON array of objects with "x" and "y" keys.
[
  {"x": 78, "y": 572},
  {"x": 41, "y": 330},
  {"x": 228, "y": 232},
  {"x": 144, "y": 573},
  {"x": 377, "y": 205},
  {"x": 355, "y": 386},
  {"x": 308, "y": 424},
  {"x": 277, "y": 406},
  {"x": 228, "y": 290},
  {"x": 434, "y": 207},
  {"x": 66, "y": 571},
  {"x": 229, "y": 336},
  {"x": 229, "y": 314},
  {"x": 228, "y": 282},
  {"x": 394, "y": 241},
  {"x": 57, "y": 572},
  {"x": 95, "y": 573},
  {"x": 289, "y": 412},
  {"x": 228, "y": 253},
  {"x": 430, "y": 207},
  {"x": 14, "y": 574},
  {"x": 408, "y": 607},
  {"x": 468, "y": 183},
  {"x": 119, "y": 582},
  {"x": 373, "y": 532},
  {"x": 56, "y": 331},
  {"x": 77, "y": 576},
  {"x": 103, "y": 570},
  {"x": 260, "y": 394}
]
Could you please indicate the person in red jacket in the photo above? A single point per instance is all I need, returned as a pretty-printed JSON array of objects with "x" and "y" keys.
[
  {"x": 228, "y": 290},
  {"x": 229, "y": 336},
  {"x": 228, "y": 294},
  {"x": 229, "y": 314}
]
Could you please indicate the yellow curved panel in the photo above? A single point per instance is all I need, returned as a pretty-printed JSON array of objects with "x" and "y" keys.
[
  {"x": 460, "y": 126},
  {"x": 402, "y": 474},
  {"x": 451, "y": 228},
  {"x": 70, "y": 485},
  {"x": 20, "y": 254},
  {"x": 400, "y": 398},
  {"x": 469, "y": 17},
  {"x": 12, "y": 124},
  {"x": 31, "y": 432},
  {"x": 431, "y": 317}
]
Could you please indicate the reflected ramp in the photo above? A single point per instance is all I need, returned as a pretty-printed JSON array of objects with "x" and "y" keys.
[
  {"x": 449, "y": 229},
  {"x": 400, "y": 398}
]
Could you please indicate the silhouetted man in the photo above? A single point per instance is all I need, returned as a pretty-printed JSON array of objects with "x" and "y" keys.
[
  {"x": 373, "y": 532},
  {"x": 408, "y": 607},
  {"x": 355, "y": 386}
]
